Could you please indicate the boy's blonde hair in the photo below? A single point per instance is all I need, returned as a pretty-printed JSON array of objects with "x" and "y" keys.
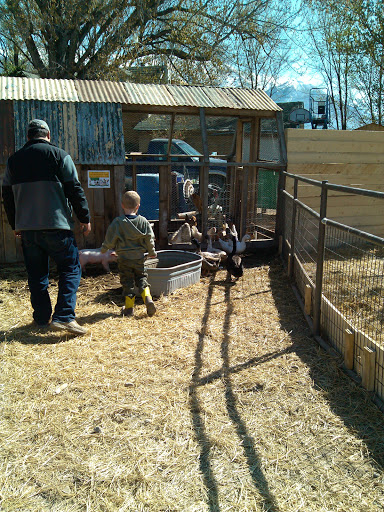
[{"x": 130, "y": 200}]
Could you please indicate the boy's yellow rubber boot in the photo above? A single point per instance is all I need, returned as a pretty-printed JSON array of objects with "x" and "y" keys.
[
  {"x": 147, "y": 299},
  {"x": 128, "y": 308}
]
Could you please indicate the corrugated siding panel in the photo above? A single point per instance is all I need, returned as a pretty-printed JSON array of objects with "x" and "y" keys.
[
  {"x": 7, "y": 136},
  {"x": 61, "y": 119},
  {"x": 42, "y": 89},
  {"x": 100, "y": 133},
  {"x": 101, "y": 91},
  {"x": 149, "y": 94}
]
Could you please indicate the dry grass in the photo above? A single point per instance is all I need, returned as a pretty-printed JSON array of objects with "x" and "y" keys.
[{"x": 221, "y": 402}]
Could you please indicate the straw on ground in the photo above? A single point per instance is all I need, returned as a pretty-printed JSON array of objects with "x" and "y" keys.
[{"x": 221, "y": 402}]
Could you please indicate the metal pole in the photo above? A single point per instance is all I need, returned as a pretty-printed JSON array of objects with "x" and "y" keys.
[
  {"x": 320, "y": 260},
  {"x": 204, "y": 172}
]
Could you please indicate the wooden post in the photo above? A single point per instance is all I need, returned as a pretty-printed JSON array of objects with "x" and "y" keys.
[
  {"x": 170, "y": 136},
  {"x": 289, "y": 269},
  {"x": 293, "y": 224},
  {"x": 281, "y": 133},
  {"x": 237, "y": 177},
  {"x": 368, "y": 372},
  {"x": 349, "y": 349},
  {"x": 308, "y": 299},
  {"x": 253, "y": 157},
  {"x": 280, "y": 212},
  {"x": 134, "y": 173},
  {"x": 280, "y": 244},
  {"x": 244, "y": 202},
  {"x": 279, "y": 228},
  {"x": 320, "y": 260}
]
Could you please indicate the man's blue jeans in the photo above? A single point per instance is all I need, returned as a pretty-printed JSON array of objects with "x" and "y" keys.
[{"x": 38, "y": 247}]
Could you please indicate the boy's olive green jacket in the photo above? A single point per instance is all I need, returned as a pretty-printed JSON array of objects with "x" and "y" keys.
[{"x": 130, "y": 238}]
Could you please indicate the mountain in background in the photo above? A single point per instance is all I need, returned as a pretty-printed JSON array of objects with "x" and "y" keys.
[{"x": 291, "y": 92}]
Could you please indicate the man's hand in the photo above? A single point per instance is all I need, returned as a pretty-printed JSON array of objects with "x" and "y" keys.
[
  {"x": 85, "y": 228},
  {"x": 153, "y": 255}
]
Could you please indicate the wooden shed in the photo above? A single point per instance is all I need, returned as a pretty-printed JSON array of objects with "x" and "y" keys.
[{"x": 95, "y": 121}]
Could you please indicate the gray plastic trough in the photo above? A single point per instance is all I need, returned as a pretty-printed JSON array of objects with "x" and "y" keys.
[{"x": 172, "y": 270}]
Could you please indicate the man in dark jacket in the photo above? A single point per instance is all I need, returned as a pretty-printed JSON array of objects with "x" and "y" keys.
[{"x": 40, "y": 188}]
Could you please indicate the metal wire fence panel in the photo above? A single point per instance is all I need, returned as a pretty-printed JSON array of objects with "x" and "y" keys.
[
  {"x": 221, "y": 133},
  {"x": 353, "y": 282},
  {"x": 306, "y": 240},
  {"x": 262, "y": 203},
  {"x": 269, "y": 141}
]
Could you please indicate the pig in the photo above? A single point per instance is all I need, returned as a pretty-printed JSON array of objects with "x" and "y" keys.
[{"x": 96, "y": 256}]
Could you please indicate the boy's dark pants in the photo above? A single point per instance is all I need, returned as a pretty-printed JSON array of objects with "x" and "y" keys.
[{"x": 132, "y": 272}]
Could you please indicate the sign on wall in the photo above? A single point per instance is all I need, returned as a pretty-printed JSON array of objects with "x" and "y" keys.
[{"x": 99, "y": 179}]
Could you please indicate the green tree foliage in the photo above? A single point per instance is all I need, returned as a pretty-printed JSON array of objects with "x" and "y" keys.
[{"x": 98, "y": 38}]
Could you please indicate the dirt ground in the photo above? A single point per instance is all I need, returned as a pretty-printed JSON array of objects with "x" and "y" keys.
[{"x": 220, "y": 402}]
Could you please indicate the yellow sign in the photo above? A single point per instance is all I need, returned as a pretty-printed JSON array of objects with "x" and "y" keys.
[{"x": 99, "y": 179}]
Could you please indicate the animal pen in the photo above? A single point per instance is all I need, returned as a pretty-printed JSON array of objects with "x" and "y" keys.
[
  {"x": 338, "y": 272},
  {"x": 234, "y": 159},
  {"x": 236, "y": 136}
]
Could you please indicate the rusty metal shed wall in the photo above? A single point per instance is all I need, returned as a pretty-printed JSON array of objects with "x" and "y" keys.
[
  {"x": 100, "y": 133},
  {"x": 61, "y": 119},
  {"x": 7, "y": 135}
]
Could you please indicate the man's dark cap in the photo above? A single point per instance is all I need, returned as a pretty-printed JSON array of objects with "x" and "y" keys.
[{"x": 37, "y": 124}]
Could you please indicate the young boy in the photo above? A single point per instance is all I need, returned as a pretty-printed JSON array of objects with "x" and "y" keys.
[{"x": 131, "y": 235}]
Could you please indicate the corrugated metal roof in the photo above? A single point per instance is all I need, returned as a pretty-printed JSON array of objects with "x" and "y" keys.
[
  {"x": 149, "y": 94},
  {"x": 61, "y": 119},
  {"x": 44, "y": 89},
  {"x": 254, "y": 99},
  {"x": 101, "y": 91},
  {"x": 100, "y": 133},
  {"x": 223, "y": 98},
  {"x": 190, "y": 96},
  {"x": 134, "y": 94}
]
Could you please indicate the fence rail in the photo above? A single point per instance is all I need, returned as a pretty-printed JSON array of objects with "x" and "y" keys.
[{"x": 339, "y": 274}]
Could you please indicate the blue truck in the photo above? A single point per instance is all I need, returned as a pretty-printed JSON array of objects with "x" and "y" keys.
[{"x": 183, "y": 157}]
